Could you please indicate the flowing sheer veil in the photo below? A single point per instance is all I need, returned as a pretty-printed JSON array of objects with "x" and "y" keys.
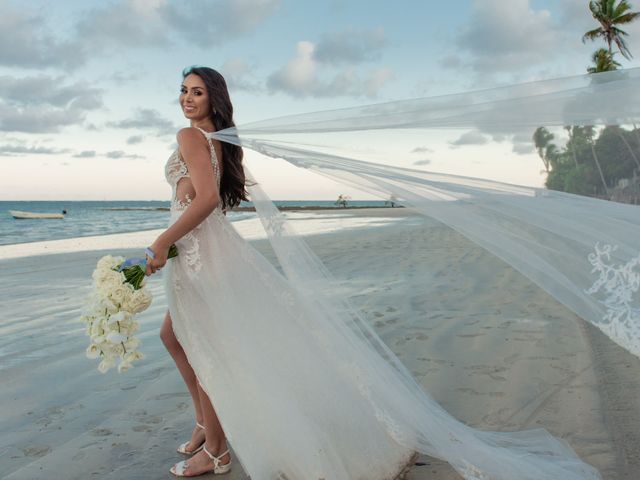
[{"x": 583, "y": 251}]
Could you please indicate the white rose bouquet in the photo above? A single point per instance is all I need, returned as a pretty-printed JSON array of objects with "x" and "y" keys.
[{"x": 118, "y": 294}]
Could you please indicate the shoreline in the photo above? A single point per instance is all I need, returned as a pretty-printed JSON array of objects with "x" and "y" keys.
[
  {"x": 282, "y": 208},
  {"x": 251, "y": 228}
]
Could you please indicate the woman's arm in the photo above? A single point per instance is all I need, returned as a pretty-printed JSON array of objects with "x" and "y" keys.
[{"x": 195, "y": 151}]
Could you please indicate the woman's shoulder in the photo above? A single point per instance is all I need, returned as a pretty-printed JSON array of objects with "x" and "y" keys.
[{"x": 190, "y": 135}]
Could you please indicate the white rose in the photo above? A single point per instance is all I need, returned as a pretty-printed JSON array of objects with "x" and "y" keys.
[
  {"x": 133, "y": 356},
  {"x": 116, "y": 337},
  {"x": 120, "y": 295},
  {"x": 107, "y": 276},
  {"x": 131, "y": 344},
  {"x": 96, "y": 329},
  {"x": 124, "y": 366},
  {"x": 109, "y": 306},
  {"x": 109, "y": 262},
  {"x": 108, "y": 283},
  {"x": 121, "y": 316},
  {"x": 106, "y": 364},
  {"x": 93, "y": 351},
  {"x": 139, "y": 301}
]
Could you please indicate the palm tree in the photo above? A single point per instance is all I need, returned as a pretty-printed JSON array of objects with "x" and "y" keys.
[
  {"x": 610, "y": 14},
  {"x": 569, "y": 130},
  {"x": 342, "y": 200},
  {"x": 391, "y": 200},
  {"x": 603, "y": 61},
  {"x": 542, "y": 138}
]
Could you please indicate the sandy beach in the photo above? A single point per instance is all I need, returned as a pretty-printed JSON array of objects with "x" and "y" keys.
[{"x": 491, "y": 347}]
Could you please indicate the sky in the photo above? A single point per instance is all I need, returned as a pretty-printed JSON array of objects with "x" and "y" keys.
[{"x": 89, "y": 89}]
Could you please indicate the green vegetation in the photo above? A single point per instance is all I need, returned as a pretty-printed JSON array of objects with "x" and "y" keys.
[
  {"x": 342, "y": 200},
  {"x": 590, "y": 164},
  {"x": 610, "y": 14},
  {"x": 595, "y": 162}
]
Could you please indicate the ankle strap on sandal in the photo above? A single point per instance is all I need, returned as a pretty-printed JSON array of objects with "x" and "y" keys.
[
  {"x": 216, "y": 460},
  {"x": 199, "y": 426}
]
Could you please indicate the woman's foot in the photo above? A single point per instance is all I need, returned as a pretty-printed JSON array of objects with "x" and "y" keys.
[
  {"x": 195, "y": 444},
  {"x": 206, "y": 461}
]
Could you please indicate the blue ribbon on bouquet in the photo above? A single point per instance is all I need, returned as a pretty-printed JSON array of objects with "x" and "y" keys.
[{"x": 130, "y": 262}]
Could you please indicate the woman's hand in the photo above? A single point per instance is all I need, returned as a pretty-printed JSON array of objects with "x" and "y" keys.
[{"x": 162, "y": 251}]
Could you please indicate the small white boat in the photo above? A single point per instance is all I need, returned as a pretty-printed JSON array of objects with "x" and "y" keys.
[{"x": 19, "y": 214}]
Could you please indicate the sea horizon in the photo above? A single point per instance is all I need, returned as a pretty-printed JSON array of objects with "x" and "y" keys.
[{"x": 103, "y": 217}]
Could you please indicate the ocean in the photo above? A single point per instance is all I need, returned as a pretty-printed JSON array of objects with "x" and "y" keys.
[{"x": 87, "y": 218}]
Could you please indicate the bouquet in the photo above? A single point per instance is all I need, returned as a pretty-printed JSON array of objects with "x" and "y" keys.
[{"x": 119, "y": 293}]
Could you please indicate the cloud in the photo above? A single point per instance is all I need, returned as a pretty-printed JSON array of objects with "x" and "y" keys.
[
  {"x": 522, "y": 143},
  {"x": 217, "y": 21},
  {"x": 300, "y": 77},
  {"x": 45, "y": 89},
  {"x": 503, "y": 36},
  {"x": 147, "y": 119},
  {"x": 422, "y": 150},
  {"x": 116, "y": 154},
  {"x": 237, "y": 73},
  {"x": 134, "y": 139},
  {"x": 121, "y": 154},
  {"x": 523, "y": 148},
  {"x": 469, "y": 138},
  {"x": 422, "y": 162},
  {"x": 451, "y": 61},
  {"x": 12, "y": 150},
  {"x": 25, "y": 41},
  {"x": 352, "y": 45},
  {"x": 123, "y": 22},
  {"x": 123, "y": 78},
  {"x": 43, "y": 103},
  {"x": 85, "y": 154}
]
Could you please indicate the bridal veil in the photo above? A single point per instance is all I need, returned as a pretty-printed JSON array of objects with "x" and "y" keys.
[{"x": 583, "y": 251}]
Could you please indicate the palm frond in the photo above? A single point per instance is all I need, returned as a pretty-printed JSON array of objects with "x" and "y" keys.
[
  {"x": 626, "y": 18},
  {"x": 592, "y": 34},
  {"x": 622, "y": 46},
  {"x": 622, "y": 7}
]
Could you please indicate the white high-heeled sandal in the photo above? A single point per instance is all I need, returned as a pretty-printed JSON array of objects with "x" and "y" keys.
[
  {"x": 179, "y": 468},
  {"x": 183, "y": 448}
]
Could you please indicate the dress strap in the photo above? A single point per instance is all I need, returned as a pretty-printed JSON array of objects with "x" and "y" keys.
[{"x": 206, "y": 134}]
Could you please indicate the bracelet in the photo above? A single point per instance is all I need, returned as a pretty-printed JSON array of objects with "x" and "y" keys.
[{"x": 150, "y": 253}]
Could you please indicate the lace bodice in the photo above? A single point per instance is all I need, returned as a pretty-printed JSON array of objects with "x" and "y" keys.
[{"x": 176, "y": 169}]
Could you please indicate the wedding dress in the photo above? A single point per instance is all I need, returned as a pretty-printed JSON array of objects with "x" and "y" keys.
[{"x": 303, "y": 386}]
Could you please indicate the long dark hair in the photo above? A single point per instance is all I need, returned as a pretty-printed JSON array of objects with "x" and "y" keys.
[{"x": 232, "y": 183}]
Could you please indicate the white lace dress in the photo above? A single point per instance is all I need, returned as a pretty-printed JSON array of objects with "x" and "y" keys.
[{"x": 287, "y": 401}]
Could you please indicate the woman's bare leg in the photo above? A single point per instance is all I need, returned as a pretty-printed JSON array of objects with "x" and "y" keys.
[
  {"x": 180, "y": 358},
  {"x": 216, "y": 442}
]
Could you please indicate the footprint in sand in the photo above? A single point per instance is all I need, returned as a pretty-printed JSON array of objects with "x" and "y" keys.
[
  {"x": 475, "y": 392},
  {"x": 155, "y": 419},
  {"x": 79, "y": 456},
  {"x": 166, "y": 396},
  {"x": 470, "y": 335},
  {"x": 142, "y": 428},
  {"x": 36, "y": 450},
  {"x": 101, "y": 432}
]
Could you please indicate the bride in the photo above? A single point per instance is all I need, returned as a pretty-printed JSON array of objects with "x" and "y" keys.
[{"x": 302, "y": 387}]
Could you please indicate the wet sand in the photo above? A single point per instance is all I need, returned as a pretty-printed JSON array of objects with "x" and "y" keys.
[{"x": 495, "y": 350}]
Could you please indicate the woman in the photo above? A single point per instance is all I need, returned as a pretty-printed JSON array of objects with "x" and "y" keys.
[
  {"x": 304, "y": 387},
  {"x": 190, "y": 173}
]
